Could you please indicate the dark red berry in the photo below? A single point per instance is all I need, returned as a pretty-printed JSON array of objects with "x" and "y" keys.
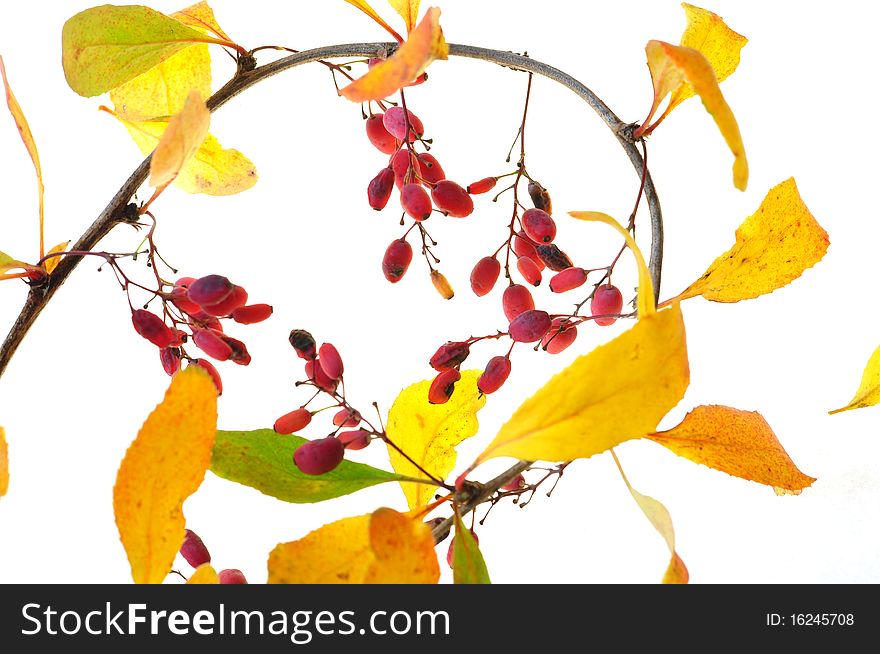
[
  {"x": 443, "y": 386},
  {"x": 529, "y": 326},
  {"x": 529, "y": 270},
  {"x": 347, "y": 418},
  {"x": 231, "y": 576},
  {"x": 538, "y": 225},
  {"x": 395, "y": 122},
  {"x": 607, "y": 301},
  {"x": 292, "y": 422},
  {"x": 212, "y": 343},
  {"x": 319, "y": 456},
  {"x": 252, "y": 313},
  {"x": 240, "y": 354},
  {"x": 484, "y": 275},
  {"x": 237, "y": 298},
  {"x": 379, "y": 136},
  {"x": 568, "y": 279},
  {"x": 516, "y": 300},
  {"x": 303, "y": 344},
  {"x": 315, "y": 374},
  {"x": 452, "y": 199},
  {"x": 432, "y": 171},
  {"x": 210, "y": 290},
  {"x": 193, "y": 550},
  {"x": 379, "y": 189},
  {"x": 152, "y": 328},
  {"x": 554, "y": 258},
  {"x": 331, "y": 362},
  {"x": 401, "y": 163},
  {"x": 357, "y": 439},
  {"x": 540, "y": 197},
  {"x": 561, "y": 334},
  {"x": 170, "y": 358},
  {"x": 483, "y": 186},
  {"x": 450, "y": 355},
  {"x": 523, "y": 247},
  {"x": 396, "y": 261},
  {"x": 496, "y": 373},
  {"x": 208, "y": 367},
  {"x": 416, "y": 202}
]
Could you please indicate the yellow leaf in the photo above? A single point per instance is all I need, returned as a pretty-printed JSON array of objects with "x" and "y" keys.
[
  {"x": 30, "y": 145},
  {"x": 617, "y": 392},
  {"x": 672, "y": 66},
  {"x": 676, "y": 571},
  {"x": 774, "y": 246},
  {"x": 52, "y": 263},
  {"x": 424, "y": 45},
  {"x": 164, "y": 465},
  {"x": 869, "y": 390},
  {"x": 737, "y": 442},
  {"x": 201, "y": 17},
  {"x": 4, "y": 463},
  {"x": 385, "y": 547},
  {"x": 7, "y": 263},
  {"x": 183, "y": 137},
  {"x": 369, "y": 11},
  {"x": 204, "y": 574},
  {"x": 428, "y": 433},
  {"x": 408, "y": 10}
]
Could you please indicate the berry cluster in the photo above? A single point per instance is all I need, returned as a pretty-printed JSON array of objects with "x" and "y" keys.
[{"x": 195, "y": 553}]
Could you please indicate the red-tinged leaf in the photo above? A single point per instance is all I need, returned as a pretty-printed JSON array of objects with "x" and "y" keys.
[
  {"x": 408, "y": 10},
  {"x": 468, "y": 566},
  {"x": 7, "y": 264},
  {"x": 424, "y": 45},
  {"x": 369, "y": 11},
  {"x": 201, "y": 17}
]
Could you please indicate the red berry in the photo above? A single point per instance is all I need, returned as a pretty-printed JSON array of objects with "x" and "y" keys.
[
  {"x": 452, "y": 199},
  {"x": 432, "y": 171},
  {"x": 213, "y": 344},
  {"x": 240, "y": 354},
  {"x": 401, "y": 163},
  {"x": 170, "y": 357},
  {"x": 496, "y": 373},
  {"x": 205, "y": 321},
  {"x": 319, "y": 456},
  {"x": 561, "y": 334},
  {"x": 231, "y": 576},
  {"x": 450, "y": 553},
  {"x": 379, "y": 189},
  {"x": 347, "y": 418},
  {"x": 538, "y": 225},
  {"x": 397, "y": 258},
  {"x": 416, "y": 202},
  {"x": 516, "y": 300},
  {"x": 208, "y": 367},
  {"x": 483, "y": 186},
  {"x": 530, "y": 326},
  {"x": 606, "y": 300},
  {"x": 354, "y": 440},
  {"x": 443, "y": 386},
  {"x": 237, "y": 298},
  {"x": 395, "y": 122},
  {"x": 540, "y": 197},
  {"x": 554, "y": 258},
  {"x": 152, "y": 328},
  {"x": 180, "y": 296},
  {"x": 303, "y": 344},
  {"x": 568, "y": 279},
  {"x": 315, "y": 374},
  {"x": 292, "y": 422},
  {"x": 194, "y": 550},
  {"x": 331, "y": 362},
  {"x": 252, "y": 313},
  {"x": 379, "y": 136},
  {"x": 421, "y": 79},
  {"x": 484, "y": 275},
  {"x": 523, "y": 247},
  {"x": 517, "y": 483},
  {"x": 529, "y": 270},
  {"x": 210, "y": 290},
  {"x": 450, "y": 355}
]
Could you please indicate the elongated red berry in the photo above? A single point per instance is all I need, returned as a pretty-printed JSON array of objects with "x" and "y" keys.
[
  {"x": 212, "y": 343},
  {"x": 210, "y": 289},
  {"x": 180, "y": 296},
  {"x": 484, "y": 275},
  {"x": 529, "y": 326},
  {"x": 208, "y": 367},
  {"x": 292, "y": 422},
  {"x": 523, "y": 247},
  {"x": 152, "y": 328},
  {"x": 193, "y": 549},
  {"x": 396, "y": 261},
  {"x": 170, "y": 358},
  {"x": 315, "y": 374},
  {"x": 538, "y": 225},
  {"x": 231, "y": 576},
  {"x": 319, "y": 456},
  {"x": 331, "y": 362},
  {"x": 357, "y": 439},
  {"x": 517, "y": 483},
  {"x": 540, "y": 197},
  {"x": 416, "y": 202},
  {"x": 554, "y": 258},
  {"x": 240, "y": 354},
  {"x": 252, "y": 313},
  {"x": 347, "y": 418},
  {"x": 379, "y": 189},
  {"x": 379, "y": 136},
  {"x": 395, "y": 122},
  {"x": 452, "y": 199},
  {"x": 561, "y": 334},
  {"x": 517, "y": 299},
  {"x": 407, "y": 170},
  {"x": 607, "y": 300},
  {"x": 203, "y": 320},
  {"x": 237, "y": 298},
  {"x": 432, "y": 171},
  {"x": 443, "y": 386},
  {"x": 442, "y": 285},
  {"x": 450, "y": 355},
  {"x": 303, "y": 344},
  {"x": 496, "y": 373},
  {"x": 482, "y": 186},
  {"x": 568, "y": 279},
  {"x": 529, "y": 270}
]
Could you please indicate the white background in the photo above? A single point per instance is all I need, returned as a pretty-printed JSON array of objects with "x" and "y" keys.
[{"x": 305, "y": 240}]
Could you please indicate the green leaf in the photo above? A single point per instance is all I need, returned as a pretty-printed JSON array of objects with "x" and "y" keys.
[
  {"x": 106, "y": 46},
  {"x": 468, "y": 566},
  {"x": 263, "y": 459}
]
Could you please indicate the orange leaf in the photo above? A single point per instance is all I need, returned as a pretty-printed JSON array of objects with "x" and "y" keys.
[
  {"x": 408, "y": 10},
  {"x": 385, "y": 547},
  {"x": 180, "y": 141},
  {"x": 424, "y": 45},
  {"x": 201, "y": 17},
  {"x": 737, "y": 442},
  {"x": 369, "y": 11},
  {"x": 204, "y": 574},
  {"x": 4, "y": 463},
  {"x": 164, "y": 465},
  {"x": 25, "y": 131},
  {"x": 671, "y": 67},
  {"x": 774, "y": 246},
  {"x": 52, "y": 263}
]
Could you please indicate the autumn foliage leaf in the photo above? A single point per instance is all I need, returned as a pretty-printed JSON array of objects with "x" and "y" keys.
[
  {"x": 200, "y": 16},
  {"x": 4, "y": 463},
  {"x": 204, "y": 574},
  {"x": 774, "y": 246},
  {"x": 163, "y": 466},
  {"x": 424, "y": 45},
  {"x": 408, "y": 10},
  {"x": 429, "y": 433},
  {"x": 868, "y": 393},
  {"x": 369, "y": 11},
  {"x": 183, "y": 137},
  {"x": 468, "y": 565},
  {"x": 740, "y": 443},
  {"x": 385, "y": 547},
  {"x": 52, "y": 262}
]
